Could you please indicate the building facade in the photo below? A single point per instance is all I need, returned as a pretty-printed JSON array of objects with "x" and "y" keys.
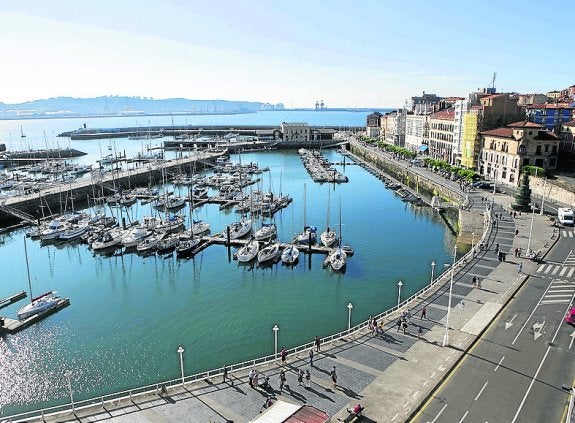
[
  {"x": 506, "y": 150},
  {"x": 417, "y": 133},
  {"x": 441, "y": 125},
  {"x": 373, "y": 126},
  {"x": 552, "y": 116},
  {"x": 567, "y": 137},
  {"x": 296, "y": 132},
  {"x": 393, "y": 127}
]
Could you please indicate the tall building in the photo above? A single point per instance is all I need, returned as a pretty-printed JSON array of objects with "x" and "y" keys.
[
  {"x": 417, "y": 132},
  {"x": 373, "y": 125},
  {"x": 441, "y": 125},
  {"x": 550, "y": 115}
]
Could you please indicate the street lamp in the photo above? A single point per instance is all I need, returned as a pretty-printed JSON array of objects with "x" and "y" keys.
[
  {"x": 399, "y": 285},
  {"x": 349, "y": 307},
  {"x": 432, "y": 270},
  {"x": 446, "y": 337},
  {"x": 68, "y": 375},
  {"x": 530, "y": 229},
  {"x": 543, "y": 197},
  {"x": 275, "y": 329},
  {"x": 472, "y": 239},
  {"x": 181, "y": 352}
]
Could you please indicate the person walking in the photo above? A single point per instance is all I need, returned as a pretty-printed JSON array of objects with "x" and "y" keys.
[
  {"x": 300, "y": 377},
  {"x": 311, "y": 357},
  {"x": 519, "y": 267},
  {"x": 225, "y": 374},
  {"x": 404, "y": 326},
  {"x": 419, "y": 332},
  {"x": 255, "y": 382},
  {"x": 251, "y": 375},
  {"x": 408, "y": 316},
  {"x": 317, "y": 343},
  {"x": 308, "y": 379},
  {"x": 282, "y": 380},
  {"x": 398, "y": 323},
  {"x": 333, "y": 376},
  {"x": 424, "y": 313},
  {"x": 283, "y": 354}
]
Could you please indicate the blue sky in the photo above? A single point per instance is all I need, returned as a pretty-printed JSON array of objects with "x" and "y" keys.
[{"x": 349, "y": 54}]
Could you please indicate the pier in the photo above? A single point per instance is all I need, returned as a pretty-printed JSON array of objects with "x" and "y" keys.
[{"x": 12, "y": 299}]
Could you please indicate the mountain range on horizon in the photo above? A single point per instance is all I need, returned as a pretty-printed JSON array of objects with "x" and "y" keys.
[{"x": 125, "y": 105}]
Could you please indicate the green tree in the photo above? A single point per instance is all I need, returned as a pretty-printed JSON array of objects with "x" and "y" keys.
[{"x": 523, "y": 196}]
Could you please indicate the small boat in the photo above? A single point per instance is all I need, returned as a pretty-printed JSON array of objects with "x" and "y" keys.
[
  {"x": 186, "y": 247},
  {"x": 172, "y": 224},
  {"x": 75, "y": 232},
  {"x": 267, "y": 231},
  {"x": 54, "y": 229},
  {"x": 135, "y": 236},
  {"x": 248, "y": 252},
  {"x": 167, "y": 243},
  {"x": 149, "y": 244},
  {"x": 269, "y": 253},
  {"x": 328, "y": 237},
  {"x": 308, "y": 236},
  {"x": 290, "y": 254},
  {"x": 337, "y": 259},
  {"x": 174, "y": 202},
  {"x": 239, "y": 229}
]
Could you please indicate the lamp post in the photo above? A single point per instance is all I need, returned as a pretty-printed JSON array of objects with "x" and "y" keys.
[
  {"x": 349, "y": 307},
  {"x": 181, "y": 352},
  {"x": 530, "y": 229},
  {"x": 432, "y": 270},
  {"x": 399, "y": 285},
  {"x": 472, "y": 239},
  {"x": 275, "y": 329},
  {"x": 446, "y": 337},
  {"x": 543, "y": 197},
  {"x": 68, "y": 375}
]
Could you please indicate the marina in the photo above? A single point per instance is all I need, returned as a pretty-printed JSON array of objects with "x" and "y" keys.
[{"x": 208, "y": 297}]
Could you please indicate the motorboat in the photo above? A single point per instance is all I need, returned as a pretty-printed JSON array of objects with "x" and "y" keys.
[
  {"x": 248, "y": 252},
  {"x": 109, "y": 239},
  {"x": 267, "y": 231},
  {"x": 54, "y": 229},
  {"x": 75, "y": 231},
  {"x": 290, "y": 254},
  {"x": 269, "y": 253},
  {"x": 135, "y": 236}
]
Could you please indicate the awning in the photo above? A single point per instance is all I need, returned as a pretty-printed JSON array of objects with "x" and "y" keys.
[{"x": 423, "y": 147}]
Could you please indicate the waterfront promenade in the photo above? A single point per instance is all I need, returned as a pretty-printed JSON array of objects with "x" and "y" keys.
[{"x": 390, "y": 373}]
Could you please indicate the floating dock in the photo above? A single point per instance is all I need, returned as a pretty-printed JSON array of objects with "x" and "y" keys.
[
  {"x": 8, "y": 325},
  {"x": 12, "y": 299}
]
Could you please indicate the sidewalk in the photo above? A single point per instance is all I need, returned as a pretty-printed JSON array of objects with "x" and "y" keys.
[{"x": 391, "y": 373}]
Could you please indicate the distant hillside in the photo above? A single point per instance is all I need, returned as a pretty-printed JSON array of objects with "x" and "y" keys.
[{"x": 114, "y": 105}]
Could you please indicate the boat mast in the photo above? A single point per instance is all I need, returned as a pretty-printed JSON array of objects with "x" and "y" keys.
[{"x": 28, "y": 269}]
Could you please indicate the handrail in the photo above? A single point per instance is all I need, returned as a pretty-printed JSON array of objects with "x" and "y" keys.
[{"x": 206, "y": 375}]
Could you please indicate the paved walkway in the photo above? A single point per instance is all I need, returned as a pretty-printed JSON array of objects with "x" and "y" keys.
[{"x": 391, "y": 373}]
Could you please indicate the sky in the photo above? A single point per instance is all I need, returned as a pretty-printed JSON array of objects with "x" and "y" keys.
[{"x": 367, "y": 53}]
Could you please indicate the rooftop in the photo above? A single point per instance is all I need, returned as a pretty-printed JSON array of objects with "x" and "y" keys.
[{"x": 447, "y": 114}]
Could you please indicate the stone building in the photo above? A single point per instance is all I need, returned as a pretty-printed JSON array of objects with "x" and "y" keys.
[
  {"x": 295, "y": 132},
  {"x": 373, "y": 124},
  {"x": 441, "y": 125},
  {"x": 506, "y": 150}
]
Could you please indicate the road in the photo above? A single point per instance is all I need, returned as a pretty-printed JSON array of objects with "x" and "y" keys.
[{"x": 516, "y": 371}]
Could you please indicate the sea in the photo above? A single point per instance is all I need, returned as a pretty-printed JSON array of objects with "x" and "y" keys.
[{"x": 129, "y": 314}]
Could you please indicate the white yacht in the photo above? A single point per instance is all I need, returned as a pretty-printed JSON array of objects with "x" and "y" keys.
[
  {"x": 269, "y": 253},
  {"x": 290, "y": 254},
  {"x": 248, "y": 252}
]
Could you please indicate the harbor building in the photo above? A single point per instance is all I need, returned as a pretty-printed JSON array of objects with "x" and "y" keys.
[
  {"x": 441, "y": 125},
  {"x": 417, "y": 132},
  {"x": 506, "y": 150},
  {"x": 373, "y": 124},
  {"x": 393, "y": 127}
]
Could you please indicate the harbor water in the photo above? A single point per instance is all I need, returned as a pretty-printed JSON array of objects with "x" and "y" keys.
[{"x": 129, "y": 313}]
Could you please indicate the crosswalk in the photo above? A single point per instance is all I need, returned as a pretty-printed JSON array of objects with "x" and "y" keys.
[
  {"x": 567, "y": 234},
  {"x": 559, "y": 270},
  {"x": 559, "y": 292}
]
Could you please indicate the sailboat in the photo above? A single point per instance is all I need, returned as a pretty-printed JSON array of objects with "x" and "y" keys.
[
  {"x": 290, "y": 254},
  {"x": 337, "y": 259},
  {"x": 328, "y": 237},
  {"x": 40, "y": 304},
  {"x": 309, "y": 234},
  {"x": 248, "y": 252}
]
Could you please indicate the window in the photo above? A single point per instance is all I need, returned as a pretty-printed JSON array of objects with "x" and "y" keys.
[
  {"x": 526, "y": 162},
  {"x": 554, "y": 149},
  {"x": 538, "y": 150},
  {"x": 546, "y": 148}
]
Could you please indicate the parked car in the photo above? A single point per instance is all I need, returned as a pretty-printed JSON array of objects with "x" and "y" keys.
[{"x": 570, "y": 316}]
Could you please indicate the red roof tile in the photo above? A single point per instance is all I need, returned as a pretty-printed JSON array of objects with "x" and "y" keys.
[
  {"x": 499, "y": 132},
  {"x": 447, "y": 114},
  {"x": 524, "y": 124},
  {"x": 548, "y": 106},
  {"x": 570, "y": 123}
]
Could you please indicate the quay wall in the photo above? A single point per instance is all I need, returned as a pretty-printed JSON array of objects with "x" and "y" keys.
[
  {"x": 468, "y": 228},
  {"x": 55, "y": 199}
]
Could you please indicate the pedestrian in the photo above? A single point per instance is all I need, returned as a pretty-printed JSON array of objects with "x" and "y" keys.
[
  {"x": 375, "y": 327},
  {"x": 308, "y": 379},
  {"x": 474, "y": 281},
  {"x": 404, "y": 326},
  {"x": 478, "y": 283},
  {"x": 300, "y": 378},
  {"x": 282, "y": 380},
  {"x": 497, "y": 247},
  {"x": 225, "y": 374},
  {"x": 419, "y": 332},
  {"x": 516, "y": 251},
  {"x": 516, "y": 232},
  {"x": 408, "y": 316},
  {"x": 398, "y": 323},
  {"x": 519, "y": 252},
  {"x": 317, "y": 343},
  {"x": 283, "y": 355},
  {"x": 514, "y": 214},
  {"x": 311, "y": 357},
  {"x": 255, "y": 382},
  {"x": 267, "y": 404},
  {"x": 424, "y": 313},
  {"x": 519, "y": 267},
  {"x": 251, "y": 375},
  {"x": 333, "y": 376}
]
